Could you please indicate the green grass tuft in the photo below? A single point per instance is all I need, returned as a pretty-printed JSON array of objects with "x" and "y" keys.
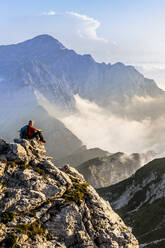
[
  {"x": 40, "y": 171},
  {"x": 31, "y": 230},
  {"x": 77, "y": 192},
  {"x": 25, "y": 166},
  {"x": 7, "y": 217}
]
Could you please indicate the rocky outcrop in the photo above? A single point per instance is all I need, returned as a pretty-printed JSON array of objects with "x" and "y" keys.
[
  {"x": 140, "y": 201},
  {"x": 44, "y": 206}
]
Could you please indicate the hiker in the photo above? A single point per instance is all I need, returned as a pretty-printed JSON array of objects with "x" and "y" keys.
[{"x": 30, "y": 132}]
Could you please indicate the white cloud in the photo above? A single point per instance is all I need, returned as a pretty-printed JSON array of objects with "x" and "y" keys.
[
  {"x": 99, "y": 128},
  {"x": 89, "y": 27},
  {"x": 50, "y": 13}
]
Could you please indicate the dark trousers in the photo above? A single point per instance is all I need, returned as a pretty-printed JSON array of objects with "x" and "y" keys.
[{"x": 38, "y": 135}]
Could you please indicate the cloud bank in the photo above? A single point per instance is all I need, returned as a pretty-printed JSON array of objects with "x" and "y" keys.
[
  {"x": 88, "y": 27},
  {"x": 99, "y": 128}
]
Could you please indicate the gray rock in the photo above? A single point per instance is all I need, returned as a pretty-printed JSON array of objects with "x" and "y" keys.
[
  {"x": 44, "y": 206},
  {"x": 17, "y": 153},
  {"x": 3, "y": 146}
]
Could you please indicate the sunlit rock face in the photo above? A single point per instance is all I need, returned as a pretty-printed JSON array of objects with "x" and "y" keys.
[{"x": 44, "y": 206}]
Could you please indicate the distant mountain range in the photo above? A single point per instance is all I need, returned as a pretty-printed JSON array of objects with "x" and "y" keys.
[
  {"x": 110, "y": 169},
  {"x": 140, "y": 201}
]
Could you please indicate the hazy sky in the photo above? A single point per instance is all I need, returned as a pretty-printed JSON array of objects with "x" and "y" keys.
[{"x": 130, "y": 31}]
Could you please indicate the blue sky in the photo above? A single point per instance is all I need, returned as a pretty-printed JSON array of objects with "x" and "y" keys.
[{"x": 130, "y": 31}]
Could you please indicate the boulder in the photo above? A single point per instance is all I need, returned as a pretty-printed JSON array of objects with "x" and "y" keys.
[{"x": 3, "y": 146}]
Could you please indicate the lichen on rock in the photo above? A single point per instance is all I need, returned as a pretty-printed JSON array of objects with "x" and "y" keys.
[{"x": 45, "y": 206}]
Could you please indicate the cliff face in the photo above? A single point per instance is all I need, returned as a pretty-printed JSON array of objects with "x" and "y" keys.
[{"x": 44, "y": 206}]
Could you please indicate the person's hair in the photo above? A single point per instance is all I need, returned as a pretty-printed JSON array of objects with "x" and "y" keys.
[{"x": 31, "y": 122}]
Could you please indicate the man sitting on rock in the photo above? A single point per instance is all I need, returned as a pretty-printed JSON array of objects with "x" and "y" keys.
[{"x": 30, "y": 132}]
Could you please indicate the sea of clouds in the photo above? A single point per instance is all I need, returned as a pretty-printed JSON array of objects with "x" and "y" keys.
[{"x": 137, "y": 127}]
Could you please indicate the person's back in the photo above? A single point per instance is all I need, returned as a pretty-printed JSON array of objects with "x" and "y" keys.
[
  {"x": 24, "y": 132},
  {"x": 30, "y": 132}
]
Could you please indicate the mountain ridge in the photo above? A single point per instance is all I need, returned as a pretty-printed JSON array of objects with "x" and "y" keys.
[
  {"x": 113, "y": 168},
  {"x": 139, "y": 200},
  {"x": 76, "y": 74}
]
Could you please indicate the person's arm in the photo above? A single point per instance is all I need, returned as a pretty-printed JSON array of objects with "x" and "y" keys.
[{"x": 33, "y": 129}]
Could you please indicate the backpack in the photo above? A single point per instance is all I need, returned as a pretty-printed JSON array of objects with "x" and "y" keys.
[{"x": 24, "y": 132}]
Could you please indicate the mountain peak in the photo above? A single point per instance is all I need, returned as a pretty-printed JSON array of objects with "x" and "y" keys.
[
  {"x": 43, "y": 40},
  {"x": 44, "y": 36}
]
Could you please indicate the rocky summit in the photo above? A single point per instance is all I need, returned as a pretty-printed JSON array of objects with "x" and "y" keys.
[{"x": 45, "y": 206}]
